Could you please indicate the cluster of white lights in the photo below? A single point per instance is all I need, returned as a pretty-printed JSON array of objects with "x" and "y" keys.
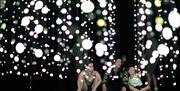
[
  {"x": 155, "y": 39},
  {"x": 39, "y": 39}
]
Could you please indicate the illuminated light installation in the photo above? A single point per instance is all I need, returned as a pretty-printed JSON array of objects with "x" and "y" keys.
[
  {"x": 48, "y": 35},
  {"x": 156, "y": 36}
]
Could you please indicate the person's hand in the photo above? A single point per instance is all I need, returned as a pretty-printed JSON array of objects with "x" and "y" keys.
[
  {"x": 93, "y": 89},
  {"x": 78, "y": 89}
]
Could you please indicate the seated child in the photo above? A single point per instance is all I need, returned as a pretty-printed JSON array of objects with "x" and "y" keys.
[{"x": 134, "y": 81}]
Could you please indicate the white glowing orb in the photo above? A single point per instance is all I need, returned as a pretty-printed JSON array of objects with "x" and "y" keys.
[
  {"x": 43, "y": 70},
  {"x": 158, "y": 27},
  {"x": 174, "y": 19},
  {"x": 20, "y": 48},
  {"x": 99, "y": 53},
  {"x": 26, "y": 10},
  {"x": 174, "y": 66},
  {"x": 144, "y": 62},
  {"x": 163, "y": 50},
  {"x": 109, "y": 64},
  {"x": 63, "y": 11},
  {"x": 101, "y": 47},
  {"x": 25, "y": 21},
  {"x": 38, "y": 53},
  {"x": 45, "y": 10},
  {"x": 157, "y": 3},
  {"x": 58, "y": 21},
  {"x": 16, "y": 59},
  {"x": 155, "y": 54},
  {"x": 38, "y": 5},
  {"x": 152, "y": 60},
  {"x": 78, "y": 70},
  {"x": 103, "y": 4},
  {"x": 167, "y": 33},
  {"x": 59, "y": 2},
  {"x": 38, "y": 28},
  {"x": 87, "y": 44},
  {"x": 148, "y": 44},
  {"x": 148, "y": 4},
  {"x": 104, "y": 67},
  {"x": 57, "y": 58},
  {"x": 87, "y": 6}
]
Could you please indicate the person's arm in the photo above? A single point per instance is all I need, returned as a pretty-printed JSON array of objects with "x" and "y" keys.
[
  {"x": 146, "y": 88},
  {"x": 97, "y": 81},
  {"x": 104, "y": 88},
  {"x": 131, "y": 88},
  {"x": 80, "y": 81}
]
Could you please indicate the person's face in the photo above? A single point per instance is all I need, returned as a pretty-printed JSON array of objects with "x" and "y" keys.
[
  {"x": 118, "y": 63},
  {"x": 131, "y": 71},
  {"x": 90, "y": 67}
]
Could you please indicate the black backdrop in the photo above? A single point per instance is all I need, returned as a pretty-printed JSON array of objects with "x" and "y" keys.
[{"x": 124, "y": 47}]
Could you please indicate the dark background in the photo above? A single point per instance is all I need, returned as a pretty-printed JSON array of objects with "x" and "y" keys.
[{"x": 124, "y": 47}]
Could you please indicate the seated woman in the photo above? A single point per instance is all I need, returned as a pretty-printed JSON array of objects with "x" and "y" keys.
[
  {"x": 135, "y": 83},
  {"x": 88, "y": 79},
  {"x": 115, "y": 79}
]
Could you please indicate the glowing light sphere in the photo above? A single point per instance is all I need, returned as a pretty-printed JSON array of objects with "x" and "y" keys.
[
  {"x": 25, "y": 21},
  {"x": 87, "y": 44},
  {"x": 38, "y": 5},
  {"x": 101, "y": 22},
  {"x": 157, "y": 3},
  {"x": 45, "y": 10},
  {"x": 59, "y": 2},
  {"x": 174, "y": 19},
  {"x": 38, "y": 28},
  {"x": 58, "y": 21},
  {"x": 163, "y": 50},
  {"x": 152, "y": 60},
  {"x": 155, "y": 54},
  {"x": 3, "y": 26},
  {"x": 57, "y": 58},
  {"x": 20, "y": 48},
  {"x": 101, "y": 47},
  {"x": 38, "y": 53},
  {"x": 167, "y": 33},
  {"x": 87, "y": 6},
  {"x": 159, "y": 20},
  {"x": 158, "y": 27},
  {"x": 148, "y": 44},
  {"x": 16, "y": 59},
  {"x": 99, "y": 53}
]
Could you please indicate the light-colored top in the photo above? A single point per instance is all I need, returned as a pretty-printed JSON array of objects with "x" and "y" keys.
[{"x": 134, "y": 81}]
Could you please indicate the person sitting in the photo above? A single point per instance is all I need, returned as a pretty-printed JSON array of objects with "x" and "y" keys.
[
  {"x": 89, "y": 79},
  {"x": 114, "y": 80},
  {"x": 134, "y": 81}
]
